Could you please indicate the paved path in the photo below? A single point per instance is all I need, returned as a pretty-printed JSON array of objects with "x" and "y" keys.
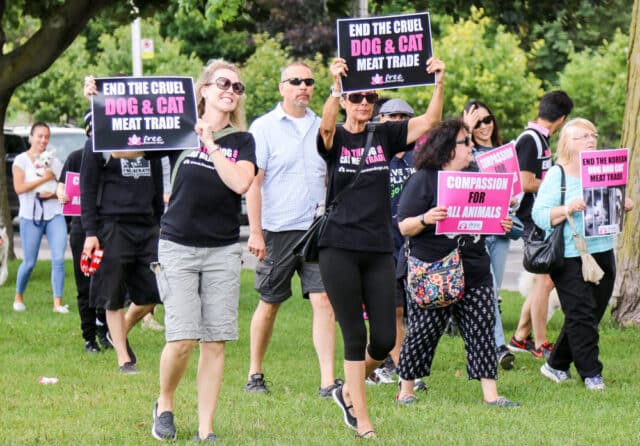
[{"x": 510, "y": 281}]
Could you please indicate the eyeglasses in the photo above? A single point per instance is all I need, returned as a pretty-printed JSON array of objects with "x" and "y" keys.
[
  {"x": 295, "y": 81},
  {"x": 356, "y": 98},
  {"x": 466, "y": 141},
  {"x": 486, "y": 120},
  {"x": 585, "y": 136},
  {"x": 223, "y": 84}
]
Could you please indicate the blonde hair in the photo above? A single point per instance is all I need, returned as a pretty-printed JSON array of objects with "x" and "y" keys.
[
  {"x": 564, "y": 154},
  {"x": 237, "y": 116}
]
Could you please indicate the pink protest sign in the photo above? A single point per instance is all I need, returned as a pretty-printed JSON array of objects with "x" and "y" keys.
[
  {"x": 503, "y": 159},
  {"x": 72, "y": 189},
  {"x": 475, "y": 202},
  {"x": 603, "y": 174}
]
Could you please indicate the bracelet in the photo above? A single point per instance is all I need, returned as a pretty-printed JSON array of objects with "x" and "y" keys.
[
  {"x": 421, "y": 219},
  {"x": 335, "y": 93},
  {"x": 566, "y": 211}
]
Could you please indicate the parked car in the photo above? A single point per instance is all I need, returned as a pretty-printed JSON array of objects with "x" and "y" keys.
[{"x": 64, "y": 140}]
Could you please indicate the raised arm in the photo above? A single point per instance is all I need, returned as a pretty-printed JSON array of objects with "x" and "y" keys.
[
  {"x": 420, "y": 125},
  {"x": 331, "y": 106}
]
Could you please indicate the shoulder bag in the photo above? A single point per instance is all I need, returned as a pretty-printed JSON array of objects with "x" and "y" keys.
[
  {"x": 306, "y": 247},
  {"x": 544, "y": 255}
]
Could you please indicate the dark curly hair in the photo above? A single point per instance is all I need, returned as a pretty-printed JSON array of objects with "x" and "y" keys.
[{"x": 440, "y": 146}]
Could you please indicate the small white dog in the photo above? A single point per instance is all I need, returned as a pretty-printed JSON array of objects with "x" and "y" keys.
[
  {"x": 4, "y": 255},
  {"x": 43, "y": 163},
  {"x": 525, "y": 283}
]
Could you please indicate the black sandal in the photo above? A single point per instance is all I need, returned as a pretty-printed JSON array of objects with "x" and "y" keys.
[
  {"x": 368, "y": 435},
  {"x": 349, "y": 419}
]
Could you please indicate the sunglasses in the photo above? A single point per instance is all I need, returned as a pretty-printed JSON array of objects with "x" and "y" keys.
[
  {"x": 466, "y": 141},
  {"x": 356, "y": 98},
  {"x": 223, "y": 84},
  {"x": 486, "y": 120},
  {"x": 295, "y": 81}
]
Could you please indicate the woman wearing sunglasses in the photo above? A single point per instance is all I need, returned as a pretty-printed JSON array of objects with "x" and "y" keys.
[
  {"x": 485, "y": 135},
  {"x": 356, "y": 261},
  {"x": 198, "y": 270}
]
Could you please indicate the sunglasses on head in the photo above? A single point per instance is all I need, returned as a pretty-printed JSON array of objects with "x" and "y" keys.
[
  {"x": 356, "y": 98},
  {"x": 295, "y": 81},
  {"x": 486, "y": 120},
  {"x": 223, "y": 84},
  {"x": 466, "y": 141}
]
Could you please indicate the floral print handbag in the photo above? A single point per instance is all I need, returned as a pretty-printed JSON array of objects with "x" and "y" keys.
[{"x": 436, "y": 284}]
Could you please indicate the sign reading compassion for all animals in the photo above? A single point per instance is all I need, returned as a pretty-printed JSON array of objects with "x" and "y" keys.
[
  {"x": 385, "y": 51},
  {"x": 502, "y": 159},
  {"x": 144, "y": 113},
  {"x": 475, "y": 202},
  {"x": 72, "y": 189}
]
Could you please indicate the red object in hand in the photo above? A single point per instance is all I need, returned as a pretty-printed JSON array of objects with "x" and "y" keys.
[
  {"x": 84, "y": 264},
  {"x": 96, "y": 259}
]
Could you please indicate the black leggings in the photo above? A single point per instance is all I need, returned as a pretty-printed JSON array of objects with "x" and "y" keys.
[{"x": 353, "y": 278}]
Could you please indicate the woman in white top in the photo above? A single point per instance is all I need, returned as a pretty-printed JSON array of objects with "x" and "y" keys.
[{"x": 34, "y": 181}]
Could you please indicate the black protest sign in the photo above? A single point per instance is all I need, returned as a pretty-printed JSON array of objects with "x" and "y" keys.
[
  {"x": 386, "y": 51},
  {"x": 144, "y": 113}
]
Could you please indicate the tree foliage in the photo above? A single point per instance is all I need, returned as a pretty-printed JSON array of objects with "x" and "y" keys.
[
  {"x": 485, "y": 65},
  {"x": 596, "y": 81}
]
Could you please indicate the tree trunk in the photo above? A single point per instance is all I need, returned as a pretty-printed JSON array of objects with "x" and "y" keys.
[
  {"x": 626, "y": 310},
  {"x": 5, "y": 212}
]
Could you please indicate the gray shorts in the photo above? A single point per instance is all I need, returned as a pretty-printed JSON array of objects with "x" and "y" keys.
[
  {"x": 200, "y": 290},
  {"x": 273, "y": 280}
]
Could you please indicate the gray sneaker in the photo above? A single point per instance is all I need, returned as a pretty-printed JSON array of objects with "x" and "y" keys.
[
  {"x": 594, "y": 383},
  {"x": 163, "y": 427},
  {"x": 256, "y": 384},
  {"x": 555, "y": 375},
  {"x": 326, "y": 392},
  {"x": 211, "y": 438}
]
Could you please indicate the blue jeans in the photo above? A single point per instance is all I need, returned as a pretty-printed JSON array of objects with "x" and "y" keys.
[
  {"x": 31, "y": 237},
  {"x": 498, "y": 248}
]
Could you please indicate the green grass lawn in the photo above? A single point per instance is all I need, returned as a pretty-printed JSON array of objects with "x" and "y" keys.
[{"x": 95, "y": 405}]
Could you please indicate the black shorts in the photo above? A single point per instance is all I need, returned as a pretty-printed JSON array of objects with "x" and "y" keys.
[{"x": 129, "y": 249}]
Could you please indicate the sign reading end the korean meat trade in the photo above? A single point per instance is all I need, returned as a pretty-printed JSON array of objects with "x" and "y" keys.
[
  {"x": 386, "y": 51},
  {"x": 502, "y": 159},
  {"x": 144, "y": 113},
  {"x": 475, "y": 202},
  {"x": 604, "y": 179}
]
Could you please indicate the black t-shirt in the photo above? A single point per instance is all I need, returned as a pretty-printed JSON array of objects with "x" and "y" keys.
[
  {"x": 72, "y": 164},
  {"x": 129, "y": 190},
  {"x": 532, "y": 160},
  {"x": 419, "y": 195},
  {"x": 362, "y": 220},
  {"x": 202, "y": 210}
]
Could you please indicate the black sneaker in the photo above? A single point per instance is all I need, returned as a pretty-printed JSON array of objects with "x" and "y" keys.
[
  {"x": 349, "y": 419},
  {"x": 91, "y": 347},
  {"x": 211, "y": 438},
  {"x": 325, "y": 392},
  {"x": 128, "y": 368},
  {"x": 102, "y": 337},
  {"x": 505, "y": 357},
  {"x": 256, "y": 384},
  {"x": 163, "y": 427},
  {"x": 132, "y": 356}
]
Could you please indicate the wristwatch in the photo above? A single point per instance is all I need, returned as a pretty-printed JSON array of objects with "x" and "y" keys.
[
  {"x": 335, "y": 93},
  {"x": 422, "y": 222}
]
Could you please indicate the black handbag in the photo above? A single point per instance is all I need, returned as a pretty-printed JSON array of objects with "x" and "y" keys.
[
  {"x": 545, "y": 255},
  {"x": 306, "y": 246}
]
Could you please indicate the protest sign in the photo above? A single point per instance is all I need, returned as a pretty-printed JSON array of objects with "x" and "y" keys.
[
  {"x": 475, "y": 202},
  {"x": 503, "y": 159},
  {"x": 385, "y": 51},
  {"x": 144, "y": 113},
  {"x": 603, "y": 174},
  {"x": 72, "y": 189}
]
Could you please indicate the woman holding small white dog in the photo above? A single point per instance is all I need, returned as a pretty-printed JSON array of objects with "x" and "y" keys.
[
  {"x": 583, "y": 303},
  {"x": 40, "y": 214}
]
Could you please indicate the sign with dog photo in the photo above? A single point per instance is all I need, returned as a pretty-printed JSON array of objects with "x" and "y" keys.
[
  {"x": 144, "y": 113},
  {"x": 604, "y": 181}
]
